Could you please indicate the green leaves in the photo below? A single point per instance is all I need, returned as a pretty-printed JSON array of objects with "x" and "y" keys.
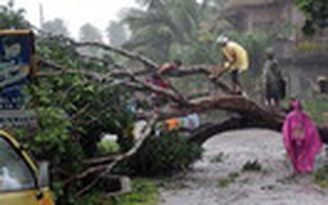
[
  {"x": 163, "y": 155},
  {"x": 316, "y": 14},
  {"x": 321, "y": 176},
  {"x": 161, "y": 25},
  {"x": 11, "y": 18}
]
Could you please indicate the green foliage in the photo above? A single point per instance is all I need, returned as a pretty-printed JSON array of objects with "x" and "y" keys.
[
  {"x": 252, "y": 166},
  {"x": 163, "y": 155},
  {"x": 186, "y": 30},
  {"x": 10, "y": 18},
  {"x": 195, "y": 52},
  {"x": 173, "y": 26},
  {"x": 108, "y": 146},
  {"x": 317, "y": 109},
  {"x": 227, "y": 181},
  {"x": 144, "y": 193},
  {"x": 321, "y": 176},
  {"x": 73, "y": 113},
  {"x": 316, "y": 14}
]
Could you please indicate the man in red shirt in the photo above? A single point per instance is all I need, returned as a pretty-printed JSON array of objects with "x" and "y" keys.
[{"x": 158, "y": 80}]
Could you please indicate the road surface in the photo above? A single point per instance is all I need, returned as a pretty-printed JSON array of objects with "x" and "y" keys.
[{"x": 218, "y": 179}]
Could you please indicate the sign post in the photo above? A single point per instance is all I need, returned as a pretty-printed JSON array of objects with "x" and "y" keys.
[{"x": 17, "y": 70}]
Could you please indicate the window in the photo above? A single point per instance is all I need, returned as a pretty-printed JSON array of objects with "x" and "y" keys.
[{"x": 14, "y": 172}]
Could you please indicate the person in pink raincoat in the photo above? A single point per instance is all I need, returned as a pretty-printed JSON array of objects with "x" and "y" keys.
[{"x": 301, "y": 139}]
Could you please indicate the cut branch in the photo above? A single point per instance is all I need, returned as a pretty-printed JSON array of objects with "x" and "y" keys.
[
  {"x": 147, "y": 62},
  {"x": 180, "y": 72},
  {"x": 106, "y": 168}
]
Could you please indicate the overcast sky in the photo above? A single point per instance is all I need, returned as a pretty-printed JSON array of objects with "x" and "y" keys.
[{"x": 74, "y": 12}]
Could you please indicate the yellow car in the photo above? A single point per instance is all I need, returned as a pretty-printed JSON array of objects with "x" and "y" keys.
[{"x": 22, "y": 181}]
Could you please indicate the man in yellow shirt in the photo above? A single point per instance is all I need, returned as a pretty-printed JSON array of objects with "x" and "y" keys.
[{"x": 235, "y": 59}]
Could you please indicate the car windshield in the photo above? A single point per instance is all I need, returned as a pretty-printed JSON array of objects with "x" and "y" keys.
[{"x": 14, "y": 172}]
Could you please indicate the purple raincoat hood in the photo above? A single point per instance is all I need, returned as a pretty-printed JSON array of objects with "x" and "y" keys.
[{"x": 297, "y": 105}]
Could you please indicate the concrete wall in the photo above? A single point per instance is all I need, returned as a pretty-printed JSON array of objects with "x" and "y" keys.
[{"x": 302, "y": 78}]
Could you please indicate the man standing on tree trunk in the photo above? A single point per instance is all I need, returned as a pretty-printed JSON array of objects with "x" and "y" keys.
[{"x": 235, "y": 60}]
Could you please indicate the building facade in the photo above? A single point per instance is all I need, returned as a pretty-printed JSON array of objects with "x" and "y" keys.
[{"x": 307, "y": 56}]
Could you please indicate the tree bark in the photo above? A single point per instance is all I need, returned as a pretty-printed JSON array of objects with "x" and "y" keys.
[{"x": 205, "y": 132}]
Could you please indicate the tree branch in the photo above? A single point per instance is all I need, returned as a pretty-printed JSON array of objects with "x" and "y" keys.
[
  {"x": 145, "y": 61},
  {"x": 106, "y": 168}
]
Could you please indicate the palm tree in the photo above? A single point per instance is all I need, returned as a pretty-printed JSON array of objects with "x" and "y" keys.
[
  {"x": 10, "y": 18},
  {"x": 162, "y": 24}
]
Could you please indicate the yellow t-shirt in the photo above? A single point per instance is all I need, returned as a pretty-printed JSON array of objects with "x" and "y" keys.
[{"x": 236, "y": 56}]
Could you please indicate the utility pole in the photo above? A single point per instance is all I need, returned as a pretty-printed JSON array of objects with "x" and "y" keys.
[{"x": 41, "y": 15}]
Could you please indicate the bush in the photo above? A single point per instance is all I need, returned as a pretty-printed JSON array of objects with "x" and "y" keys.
[
  {"x": 162, "y": 155},
  {"x": 321, "y": 176}
]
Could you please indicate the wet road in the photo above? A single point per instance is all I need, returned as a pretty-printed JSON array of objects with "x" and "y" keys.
[{"x": 219, "y": 180}]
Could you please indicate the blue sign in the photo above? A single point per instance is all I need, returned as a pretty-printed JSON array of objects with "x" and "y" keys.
[{"x": 16, "y": 66}]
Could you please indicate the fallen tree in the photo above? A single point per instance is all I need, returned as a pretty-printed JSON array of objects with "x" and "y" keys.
[{"x": 247, "y": 113}]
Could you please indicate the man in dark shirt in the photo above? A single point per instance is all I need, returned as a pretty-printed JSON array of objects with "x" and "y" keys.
[{"x": 274, "y": 84}]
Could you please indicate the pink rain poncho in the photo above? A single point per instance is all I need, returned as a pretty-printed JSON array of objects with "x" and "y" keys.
[{"x": 301, "y": 139}]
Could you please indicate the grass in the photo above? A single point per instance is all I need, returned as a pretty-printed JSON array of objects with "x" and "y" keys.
[
  {"x": 321, "y": 176},
  {"x": 227, "y": 181},
  {"x": 144, "y": 193},
  {"x": 219, "y": 158},
  {"x": 252, "y": 166}
]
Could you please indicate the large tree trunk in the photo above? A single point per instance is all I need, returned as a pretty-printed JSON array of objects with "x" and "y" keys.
[
  {"x": 251, "y": 115},
  {"x": 207, "y": 131}
]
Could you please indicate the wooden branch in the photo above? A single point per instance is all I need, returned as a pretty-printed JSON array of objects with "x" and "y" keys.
[
  {"x": 224, "y": 86},
  {"x": 180, "y": 72},
  {"x": 172, "y": 94},
  {"x": 168, "y": 93},
  {"x": 202, "y": 134},
  {"x": 106, "y": 168},
  {"x": 147, "y": 62},
  {"x": 207, "y": 70},
  {"x": 233, "y": 103},
  {"x": 59, "y": 71}
]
